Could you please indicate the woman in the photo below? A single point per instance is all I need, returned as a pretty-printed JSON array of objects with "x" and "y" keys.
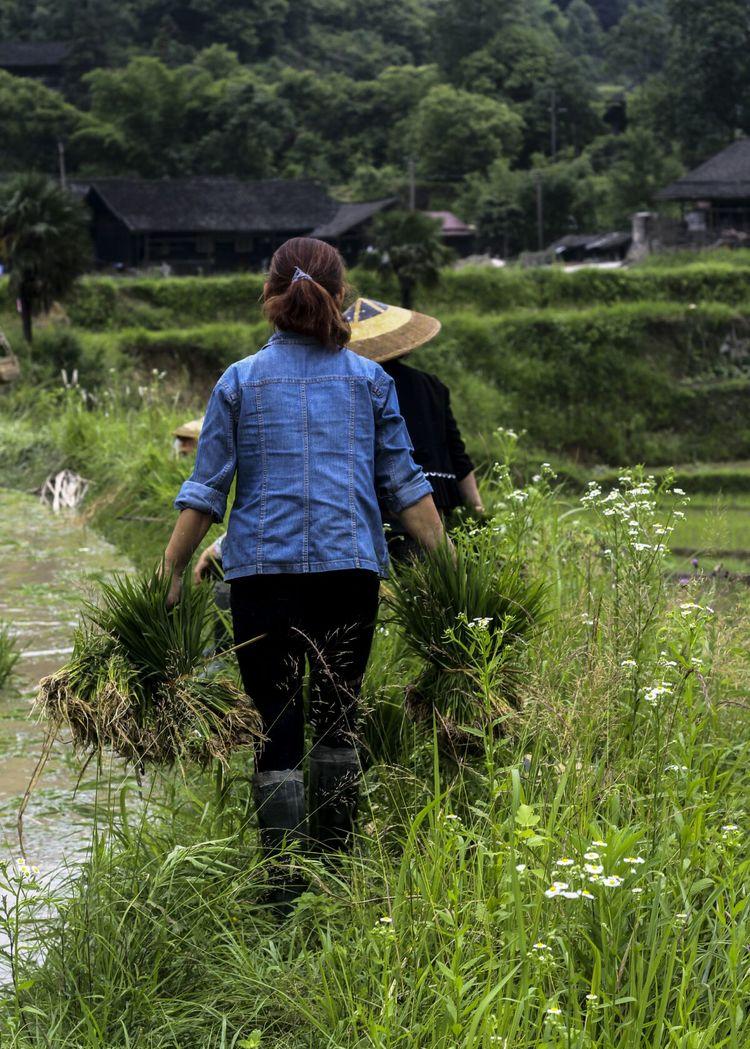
[
  {"x": 386, "y": 334},
  {"x": 313, "y": 435}
]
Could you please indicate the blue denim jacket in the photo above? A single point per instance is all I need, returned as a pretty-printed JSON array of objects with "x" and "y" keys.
[{"x": 314, "y": 437}]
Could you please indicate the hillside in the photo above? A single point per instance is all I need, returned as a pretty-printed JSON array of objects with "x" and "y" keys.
[{"x": 596, "y": 100}]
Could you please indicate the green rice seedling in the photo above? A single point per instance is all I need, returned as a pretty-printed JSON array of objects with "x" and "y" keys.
[
  {"x": 468, "y": 614},
  {"x": 9, "y": 654},
  {"x": 136, "y": 682}
]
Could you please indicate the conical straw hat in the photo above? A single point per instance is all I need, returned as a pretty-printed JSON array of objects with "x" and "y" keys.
[
  {"x": 190, "y": 430},
  {"x": 382, "y": 332}
]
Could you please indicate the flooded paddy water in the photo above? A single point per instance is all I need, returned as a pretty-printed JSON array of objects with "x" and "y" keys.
[{"x": 47, "y": 565}]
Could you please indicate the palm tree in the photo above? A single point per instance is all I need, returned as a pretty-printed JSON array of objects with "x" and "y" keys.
[
  {"x": 44, "y": 242},
  {"x": 410, "y": 245}
]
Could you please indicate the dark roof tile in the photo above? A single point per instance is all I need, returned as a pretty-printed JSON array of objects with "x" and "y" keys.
[
  {"x": 723, "y": 176},
  {"x": 30, "y": 53},
  {"x": 223, "y": 205}
]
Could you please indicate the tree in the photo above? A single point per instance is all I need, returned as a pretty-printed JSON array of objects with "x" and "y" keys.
[
  {"x": 43, "y": 240},
  {"x": 456, "y": 132},
  {"x": 638, "y": 45},
  {"x": 492, "y": 202},
  {"x": 583, "y": 33},
  {"x": 152, "y": 111},
  {"x": 410, "y": 246},
  {"x": 709, "y": 72},
  {"x": 34, "y": 119},
  {"x": 458, "y": 29}
]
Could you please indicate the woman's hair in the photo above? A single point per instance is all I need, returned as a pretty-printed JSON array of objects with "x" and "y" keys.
[{"x": 305, "y": 282}]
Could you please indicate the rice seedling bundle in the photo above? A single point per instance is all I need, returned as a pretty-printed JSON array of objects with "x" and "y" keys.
[
  {"x": 136, "y": 682},
  {"x": 468, "y": 615}
]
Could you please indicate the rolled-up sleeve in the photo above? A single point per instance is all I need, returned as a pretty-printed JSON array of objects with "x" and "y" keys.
[
  {"x": 207, "y": 487},
  {"x": 400, "y": 482}
]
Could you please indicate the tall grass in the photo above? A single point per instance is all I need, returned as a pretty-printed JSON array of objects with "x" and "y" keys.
[
  {"x": 582, "y": 881},
  {"x": 9, "y": 654}
]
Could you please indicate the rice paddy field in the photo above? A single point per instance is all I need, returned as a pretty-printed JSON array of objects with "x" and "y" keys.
[{"x": 552, "y": 846}]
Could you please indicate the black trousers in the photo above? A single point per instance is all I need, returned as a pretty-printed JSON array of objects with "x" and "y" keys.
[{"x": 326, "y": 618}]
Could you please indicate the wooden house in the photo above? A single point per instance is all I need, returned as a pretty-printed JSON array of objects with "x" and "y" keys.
[
  {"x": 715, "y": 197},
  {"x": 215, "y": 225},
  {"x": 41, "y": 60}
]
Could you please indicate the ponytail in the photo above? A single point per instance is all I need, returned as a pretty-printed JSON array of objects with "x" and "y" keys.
[{"x": 303, "y": 292}]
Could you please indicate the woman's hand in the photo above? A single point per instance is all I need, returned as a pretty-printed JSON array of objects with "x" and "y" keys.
[
  {"x": 205, "y": 565},
  {"x": 175, "y": 591},
  {"x": 189, "y": 532},
  {"x": 470, "y": 495}
]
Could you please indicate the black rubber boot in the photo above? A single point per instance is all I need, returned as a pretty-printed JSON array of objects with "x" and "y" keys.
[
  {"x": 334, "y": 791},
  {"x": 280, "y": 805}
]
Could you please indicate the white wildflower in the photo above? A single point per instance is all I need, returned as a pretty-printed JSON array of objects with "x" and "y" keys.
[{"x": 612, "y": 881}]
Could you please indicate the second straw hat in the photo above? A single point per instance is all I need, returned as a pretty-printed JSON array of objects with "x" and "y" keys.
[{"x": 382, "y": 332}]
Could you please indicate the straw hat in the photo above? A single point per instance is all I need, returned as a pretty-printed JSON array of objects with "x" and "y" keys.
[
  {"x": 382, "y": 332},
  {"x": 189, "y": 431}
]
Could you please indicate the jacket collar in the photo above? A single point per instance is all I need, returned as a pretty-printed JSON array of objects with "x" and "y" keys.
[{"x": 293, "y": 336}]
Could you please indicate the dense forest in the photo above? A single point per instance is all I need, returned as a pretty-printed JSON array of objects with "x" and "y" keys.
[{"x": 603, "y": 100}]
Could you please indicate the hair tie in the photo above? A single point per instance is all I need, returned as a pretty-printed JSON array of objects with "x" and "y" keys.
[{"x": 299, "y": 275}]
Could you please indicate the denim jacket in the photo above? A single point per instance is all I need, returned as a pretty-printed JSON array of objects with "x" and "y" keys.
[{"x": 314, "y": 437}]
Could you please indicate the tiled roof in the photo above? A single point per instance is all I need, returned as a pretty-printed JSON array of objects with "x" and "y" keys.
[
  {"x": 723, "y": 176},
  {"x": 29, "y": 53},
  {"x": 216, "y": 205}
]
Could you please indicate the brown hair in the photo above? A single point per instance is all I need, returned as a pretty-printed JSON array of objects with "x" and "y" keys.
[{"x": 310, "y": 307}]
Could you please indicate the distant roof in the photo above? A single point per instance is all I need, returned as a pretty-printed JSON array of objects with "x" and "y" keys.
[
  {"x": 350, "y": 215},
  {"x": 591, "y": 241},
  {"x": 29, "y": 53},
  {"x": 725, "y": 176},
  {"x": 223, "y": 205},
  {"x": 452, "y": 225}
]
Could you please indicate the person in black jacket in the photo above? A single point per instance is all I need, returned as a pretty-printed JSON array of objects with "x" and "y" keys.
[{"x": 386, "y": 334}]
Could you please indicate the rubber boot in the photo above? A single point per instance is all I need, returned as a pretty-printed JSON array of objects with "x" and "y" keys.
[
  {"x": 280, "y": 805},
  {"x": 334, "y": 792}
]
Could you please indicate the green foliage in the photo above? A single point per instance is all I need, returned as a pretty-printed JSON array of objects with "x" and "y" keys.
[
  {"x": 34, "y": 119},
  {"x": 346, "y": 93},
  {"x": 43, "y": 239},
  {"x": 411, "y": 248},
  {"x": 708, "y": 72},
  {"x": 457, "y": 132},
  {"x": 625, "y": 383}
]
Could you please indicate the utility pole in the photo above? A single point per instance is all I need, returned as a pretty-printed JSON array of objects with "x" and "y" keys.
[
  {"x": 553, "y": 122},
  {"x": 61, "y": 163},
  {"x": 539, "y": 210},
  {"x": 412, "y": 185}
]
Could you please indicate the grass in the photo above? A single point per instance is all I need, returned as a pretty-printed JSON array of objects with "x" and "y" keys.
[
  {"x": 9, "y": 654},
  {"x": 448, "y": 928},
  {"x": 595, "y": 895}
]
